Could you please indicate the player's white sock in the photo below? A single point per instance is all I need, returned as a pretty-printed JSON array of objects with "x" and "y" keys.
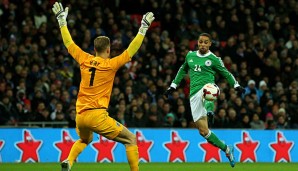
[
  {"x": 208, "y": 135},
  {"x": 227, "y": 150}
]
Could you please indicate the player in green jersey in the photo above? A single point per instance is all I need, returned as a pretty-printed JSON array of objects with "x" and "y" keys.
[{"x": 202, "y": 65}]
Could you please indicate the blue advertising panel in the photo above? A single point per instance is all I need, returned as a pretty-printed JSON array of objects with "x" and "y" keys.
[{"x": 155, "y": 145}]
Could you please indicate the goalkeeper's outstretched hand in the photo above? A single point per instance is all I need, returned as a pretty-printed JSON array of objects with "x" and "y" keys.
[
  {"x": 146, "y": 22},
  {"x": 60, "y": 13}
]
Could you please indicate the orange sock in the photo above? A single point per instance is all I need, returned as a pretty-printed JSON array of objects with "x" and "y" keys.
[
  {"x": 132, "y": 154},
  {"x": 76, "y": 149}
]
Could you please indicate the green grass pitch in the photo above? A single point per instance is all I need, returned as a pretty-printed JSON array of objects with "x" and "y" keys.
[{"x": 152, "y": 167}]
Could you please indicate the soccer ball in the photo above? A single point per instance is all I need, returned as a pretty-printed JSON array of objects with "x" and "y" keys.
[{"x": 210, "y": 91}]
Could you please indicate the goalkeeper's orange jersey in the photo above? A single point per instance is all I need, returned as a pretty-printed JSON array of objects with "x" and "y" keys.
[{"x": 97, "y": 77}]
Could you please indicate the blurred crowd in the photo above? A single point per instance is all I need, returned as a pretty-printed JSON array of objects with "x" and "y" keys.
[{"x": 257, "y": 41}]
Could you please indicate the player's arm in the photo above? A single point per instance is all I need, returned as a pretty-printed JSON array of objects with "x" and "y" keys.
[
  {"x": 180, "y": 75},
  {"x": 183, "y": 70},
  {"x": 61, "y": 14},
  {"x": 137, "y": 41},
  {"x": 220, "y": 67}
]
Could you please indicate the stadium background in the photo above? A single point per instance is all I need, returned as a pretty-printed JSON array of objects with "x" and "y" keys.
[{"x": 257, "y": 41}]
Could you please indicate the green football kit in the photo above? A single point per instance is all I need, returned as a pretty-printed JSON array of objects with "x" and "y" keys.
[{"x": 202, "y": 70}]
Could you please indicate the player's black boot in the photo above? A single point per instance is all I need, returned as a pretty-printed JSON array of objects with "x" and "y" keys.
[{"x": 210, "y": 116}]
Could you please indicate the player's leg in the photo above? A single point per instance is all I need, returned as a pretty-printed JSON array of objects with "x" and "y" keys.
[
  {"x": 209, "y": 106},
  {"x": 199, "y": 114},
  {"x": 202, "y": 125},
  {"x": 113, "y": 130}
]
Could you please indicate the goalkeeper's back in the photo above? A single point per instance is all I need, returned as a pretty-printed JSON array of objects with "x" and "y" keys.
[{"x": 97, "y": 78}]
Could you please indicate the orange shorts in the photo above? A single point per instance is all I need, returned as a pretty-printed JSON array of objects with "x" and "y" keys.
[{"x": 98, "y": 121}]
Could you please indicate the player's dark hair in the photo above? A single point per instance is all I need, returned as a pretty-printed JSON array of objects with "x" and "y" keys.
[
  {"x": 101, "y": 43},
  {"x": 207, "y": 35}
]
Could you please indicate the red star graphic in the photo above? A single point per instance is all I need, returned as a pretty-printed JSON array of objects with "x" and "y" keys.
[
  {"x": 176, "y": 148},
  {"x": 64, "y": 146},
  {"x": 212, "y": 153},
  {"x": 247, "y": 148},
  {"x": 144, "y": 147},
  {"x": 104, "y": 148},
  {"x": 281, "y": 148},
  {"x": 1, "y": 145},
  {"x": 29, "y": 147}
]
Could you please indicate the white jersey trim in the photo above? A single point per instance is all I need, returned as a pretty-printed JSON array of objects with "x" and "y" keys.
[
  {"x": 173, "y": 85},
  {"x": 205, "y": 55}
]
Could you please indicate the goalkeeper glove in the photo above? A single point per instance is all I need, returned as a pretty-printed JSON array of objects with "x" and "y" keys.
[
  {"x": 169, "y": 91},
  {"x": 60, "y": 13},
  {"x": 146, "y": 22},
  {"x": 240, "y": 90}
]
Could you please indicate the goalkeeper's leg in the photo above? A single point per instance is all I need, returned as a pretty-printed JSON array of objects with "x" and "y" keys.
[
  {"x": 129, "y": 140},
  {"x": 86, "y": 137}
]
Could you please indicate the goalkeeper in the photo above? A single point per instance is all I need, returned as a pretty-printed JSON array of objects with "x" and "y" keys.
[
  {"x": 97, "y": 76},
  {"x": 202, "y": 65}
]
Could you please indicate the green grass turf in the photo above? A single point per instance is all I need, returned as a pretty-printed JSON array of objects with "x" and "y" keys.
[{"x": 152, "y": 167}]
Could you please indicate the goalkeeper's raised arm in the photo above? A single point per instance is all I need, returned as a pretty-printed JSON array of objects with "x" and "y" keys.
[
  {"x": 137, "y": 41},
  {"x": 61, "y": 15}
]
